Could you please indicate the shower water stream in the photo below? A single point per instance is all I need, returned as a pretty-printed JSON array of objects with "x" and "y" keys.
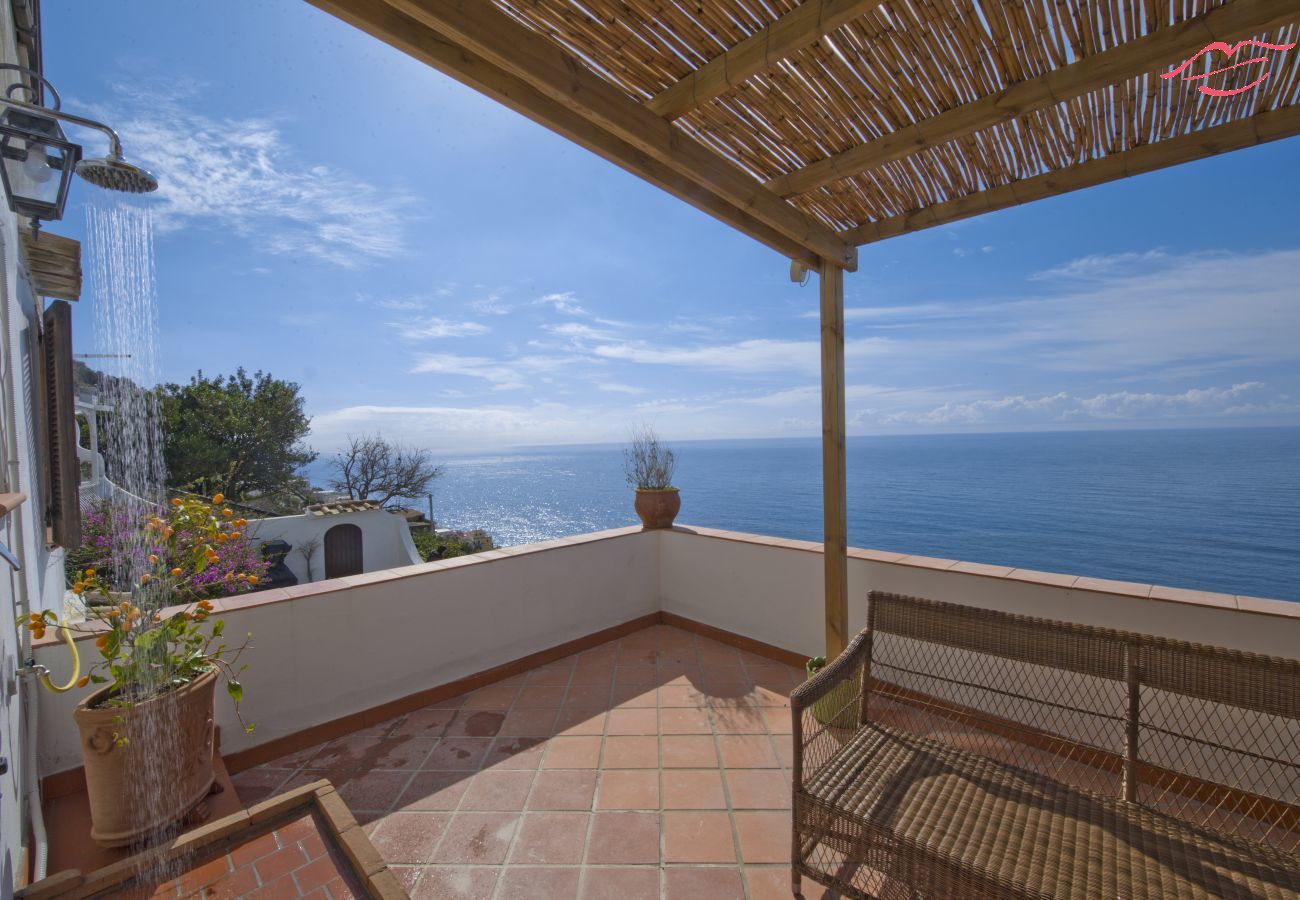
[{"x": 120, "y": 244}]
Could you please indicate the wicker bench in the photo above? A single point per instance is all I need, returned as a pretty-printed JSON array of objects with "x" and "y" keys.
[{"x": 959, "y": 752}]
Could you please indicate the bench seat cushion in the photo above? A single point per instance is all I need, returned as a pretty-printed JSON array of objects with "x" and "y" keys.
[{"x": 1019, "y": 833}]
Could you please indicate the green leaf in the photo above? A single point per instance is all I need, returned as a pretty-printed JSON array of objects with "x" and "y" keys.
[
  {"x": 235, "y": 690},
  {"x": 98, "y": 679},
  {"x": 217, "y": 627},
  {"x": 248, "y": 729}
]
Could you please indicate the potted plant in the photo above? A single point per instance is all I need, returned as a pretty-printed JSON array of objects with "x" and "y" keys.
[
  {"x": 837, "y": 708},
  {"x": 146, "y": 735},
  {"x": 649, "y": 466}
]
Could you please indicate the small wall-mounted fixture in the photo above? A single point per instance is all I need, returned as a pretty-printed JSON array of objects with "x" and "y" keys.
[
  {"x": 798, "y": 272},
  {"x": 37, "y": 160}
]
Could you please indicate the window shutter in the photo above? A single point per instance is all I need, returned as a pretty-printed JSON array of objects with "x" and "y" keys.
[{"x": 63, "y": 504}]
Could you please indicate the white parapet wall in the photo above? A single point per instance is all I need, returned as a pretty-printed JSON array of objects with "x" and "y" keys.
[
  {"x": 769, "y": 589},
  {"x": 326, "y": 650},
  {"x": 323, "y": 651}
]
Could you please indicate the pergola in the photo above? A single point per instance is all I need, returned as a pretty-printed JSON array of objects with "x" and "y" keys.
[{"x": 819, "y": 126}]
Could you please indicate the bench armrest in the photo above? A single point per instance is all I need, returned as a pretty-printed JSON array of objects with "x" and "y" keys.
[{"x": 826, "y": 706}]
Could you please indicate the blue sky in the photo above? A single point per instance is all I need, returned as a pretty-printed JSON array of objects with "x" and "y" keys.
[{"x": 430, "y": 265}]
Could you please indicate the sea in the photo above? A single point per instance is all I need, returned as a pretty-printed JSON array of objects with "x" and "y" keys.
[{"x": 1210, "y": 509}]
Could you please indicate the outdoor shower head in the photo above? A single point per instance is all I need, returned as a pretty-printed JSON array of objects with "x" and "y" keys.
[{"x": 116, "y": 174}]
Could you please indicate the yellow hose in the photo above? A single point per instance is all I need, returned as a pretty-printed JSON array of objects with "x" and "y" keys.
[{"x": 76, "y": 663}]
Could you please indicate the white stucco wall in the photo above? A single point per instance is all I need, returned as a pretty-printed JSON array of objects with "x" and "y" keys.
[
  {"x": 385, "y": 540},
  {"x": 348, "y": 645},
  {"x": 329, "y": 649}
]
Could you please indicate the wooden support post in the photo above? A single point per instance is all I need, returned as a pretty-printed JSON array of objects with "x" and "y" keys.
[{"x": 834, "y": 488}]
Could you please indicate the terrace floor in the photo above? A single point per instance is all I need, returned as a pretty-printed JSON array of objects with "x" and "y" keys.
[{"x": 653, "y": 766}]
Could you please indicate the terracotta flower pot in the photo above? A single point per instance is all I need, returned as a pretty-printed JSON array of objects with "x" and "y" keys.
[
  {"x": 161, "y": 774},
  {"x": 657, "y": 509}
]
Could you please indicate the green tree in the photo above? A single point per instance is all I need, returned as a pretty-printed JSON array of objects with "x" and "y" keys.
[{"x": 237, "y": 434}]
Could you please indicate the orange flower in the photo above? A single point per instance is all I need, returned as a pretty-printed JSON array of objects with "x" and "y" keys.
[
  {"x": 176, "y": 501},
  {"x": 114, "y": 613},
  {"x": 177, "y": 572},
  {"x": 78, "y": 588},
  {"x": 187, "y": 616},
  {"x": 236, "y": 535},
  {"x": 252, "y": 579},
  {"x": 83, "y": 681},
  {"x": 217, "y": 498},
  {"x": 146, "y": 578},
  {"x": 102, "y": 641},
  {"x": 205, "y": 604},
  {"x": 90, "y": 573},
  {"x": 39, "y": 634},
  {"x": 241, "y": 522},
  {"x": 227, "y": 512},
  {"x": 153, "y": 558},
  {"x": 126, "y": 624}
]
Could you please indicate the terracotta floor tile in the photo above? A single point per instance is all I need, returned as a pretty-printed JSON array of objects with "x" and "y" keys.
[
  {"x": 634, "y": 696},
  {"x": 409, "y": 837},
  {"x": 746, "y": 751},
  {"x": 556, "y": 673},
  {"x": 256, "y": 784},
  {"x": 477, "y": 723},
  {"x": 446, "y": 882},
  {"x": 693, "y": 790},
  {"x": 494, "y": 696},
  {"x": 433, "y": 791},
  {"x": 540, "y": 696},
  {"x": 682, "y": 695},
  {"x": 784, "y": 744},
  {"x": 498, "y": 789},
  {"x": 721, "y": 695},
  {"x": 374, "y": 790},
  {"x": 764, "y": 696},
  {"x": 773, "y": 883},
  {"x": 764, "y": 836},
  {"x": 558, "y": 789},
  {"x": 739, "y": 720},
  {"x": 778, "y": 720},
  {"x": 458, "y": 753},
  {"x": 631, "y": 752},
  {"x": 581, "y": 720},
  {"x": 712, "y": 653},
  {"x": 684, "y": 720},
  {"x": 698, "y": 837},
  {"x": 588, "y": 696},
  {"x": 639, "y": 673},
  {"x": 621, "y": 883},
  {"x": 551, "y": 839},
  {"x": 281, "y": 862},
  {"x": 297, "y": 758},
  {"x": 407, "y": 876},
  {"x": 581, "y": 752},
  {"x": 529, "y": 722},
  {"x": 688, "y": 751},
  {"x": 628, "y": 789},
  {"x": 251, "y": 851},
  {"x": 692, "y": 882},
  {"x": 721, "y": 673},
  {"x": 624, "y": 838},
  {"x": 758, "y": 789},
  {"x": 455, "y": 702},
  {"x": 539, "y": 884},
  {"x": 515, "y": 753},
  {"x": 427, "y": 722},
  {"x": 477, "y": 838},
  {"x": 632, "y": 721},
  {"x": 596, "y": 672},
  {"x": 347, "y": 752}
]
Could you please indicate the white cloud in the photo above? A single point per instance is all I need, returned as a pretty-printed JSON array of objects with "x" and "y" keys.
[
  {"x": 517, "y": 373},
  {"x": 578, "y": 332},
  {"x": 1248, "y": 399},
  {"x": 613, "y": 387},
  {"x": 758, "y": 356},
  {"x": 1102, "y": 266},
  {"x": 564, "y": 302},
  {"x": 241, "y": 174},
  {"x": 489, "y": 304},
  {"x": 434, "y": 327}
]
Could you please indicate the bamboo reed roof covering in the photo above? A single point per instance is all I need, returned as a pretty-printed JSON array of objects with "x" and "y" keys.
[{"x": 820, "y": 125}]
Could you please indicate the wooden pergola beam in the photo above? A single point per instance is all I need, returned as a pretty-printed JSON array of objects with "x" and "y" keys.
[
  {"x": 401, "y": 32},
  {"x": 1261, "y": 129},
  {"x": 487, "y": 34},
  {"x": 804, "y": 25},
  {"x": 1161, "y": 49}
]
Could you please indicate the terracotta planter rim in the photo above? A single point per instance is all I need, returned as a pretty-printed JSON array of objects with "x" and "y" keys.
[{"x": 87, "y": 703}]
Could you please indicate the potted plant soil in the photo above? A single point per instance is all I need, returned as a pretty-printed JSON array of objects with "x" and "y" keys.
[
  {"x": 649, "y": 466},
  {"x": 146, "y": 734}
]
